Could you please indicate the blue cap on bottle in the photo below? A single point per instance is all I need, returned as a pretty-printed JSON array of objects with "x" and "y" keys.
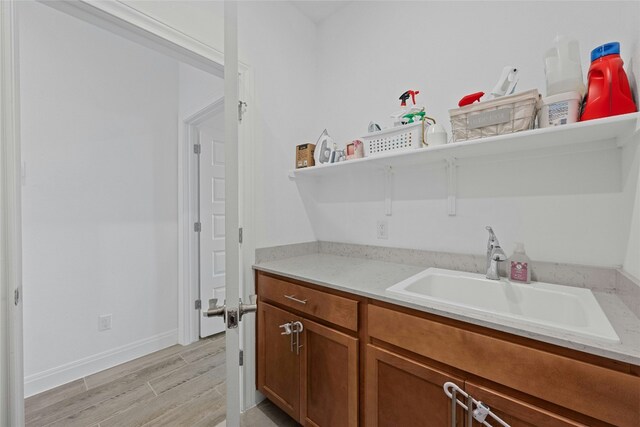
[{"x": 604, "y": 50}]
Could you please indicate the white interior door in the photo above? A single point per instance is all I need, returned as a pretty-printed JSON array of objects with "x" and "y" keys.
[
  {"x": 212, "y": 219},
  {"x": 232, "y": 211}
]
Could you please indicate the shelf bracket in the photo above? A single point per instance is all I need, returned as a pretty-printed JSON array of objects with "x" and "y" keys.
[
  {"x": 452, "y": 185},
  {"x": 388, "y": 175}
]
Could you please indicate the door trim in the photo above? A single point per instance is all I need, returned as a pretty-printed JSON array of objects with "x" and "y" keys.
[
  {"x": 188, "y": 265},
  {"x": 125, "y": 21},
  {"x": 11, "y": 365}
]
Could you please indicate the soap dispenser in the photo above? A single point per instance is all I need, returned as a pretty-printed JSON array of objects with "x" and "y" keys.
[{"x": 520, "y": 265}]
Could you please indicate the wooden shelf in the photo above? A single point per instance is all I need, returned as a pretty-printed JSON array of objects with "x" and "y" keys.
[{"x": 610, "y": 132}]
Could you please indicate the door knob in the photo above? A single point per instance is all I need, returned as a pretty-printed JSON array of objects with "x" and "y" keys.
[
  {"x": 214, "y": 309},
  {"x": 248, "y": 308}
]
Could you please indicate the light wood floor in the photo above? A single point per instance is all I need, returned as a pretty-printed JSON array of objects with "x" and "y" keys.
[
  {"x": 266, "y": 414},
  {"x": 177, "y": 386}
]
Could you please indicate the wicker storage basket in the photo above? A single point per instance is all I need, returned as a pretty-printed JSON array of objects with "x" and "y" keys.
[{"x": 508, "y": 114}]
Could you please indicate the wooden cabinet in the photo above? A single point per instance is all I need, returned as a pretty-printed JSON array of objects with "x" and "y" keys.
[
  {"x": 515, "y": 412},
  {"x": 329, "y": 377},
  {"x": 312, "y": 373},
  {"x": 278, "y": 365},
  {"x": 321, "y": 378},
  {"x": 334, "y": 309},
  {"x": 403, "y": 392}
]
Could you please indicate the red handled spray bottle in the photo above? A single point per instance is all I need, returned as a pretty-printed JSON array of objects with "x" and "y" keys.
[{"x": 408, "y": 114}]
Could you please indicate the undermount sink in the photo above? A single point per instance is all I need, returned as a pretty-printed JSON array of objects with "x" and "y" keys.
[{"x": 562, "y": 308}]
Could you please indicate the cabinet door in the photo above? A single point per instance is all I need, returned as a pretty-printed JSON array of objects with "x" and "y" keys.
[
  {"x": 516, "y": 412},
  {"x": 329, "y": 377},
  {"x": 403, "y": 392},
  {"x": 278, "y": 364}
]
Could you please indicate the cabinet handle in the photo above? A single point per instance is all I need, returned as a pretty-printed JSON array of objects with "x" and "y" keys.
[
  {"x": 297, "y": 327},
  {"x": 293, "y": 298}
]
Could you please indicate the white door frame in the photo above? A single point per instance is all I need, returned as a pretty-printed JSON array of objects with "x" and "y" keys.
[
  {"x": 188, "y": 316},
  {"x": 130, "y": 23},
  {"x": 11, "y": 369}
]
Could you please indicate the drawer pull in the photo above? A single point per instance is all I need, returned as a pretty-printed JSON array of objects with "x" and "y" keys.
[{"x": 293, "y": 298}]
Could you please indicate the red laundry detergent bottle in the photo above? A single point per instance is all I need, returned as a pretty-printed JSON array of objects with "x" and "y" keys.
[{"x": 608, "y": 93}]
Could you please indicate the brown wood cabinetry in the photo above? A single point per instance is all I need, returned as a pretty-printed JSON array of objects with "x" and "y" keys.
[
  {"x": 329, "y": 377},
  {"x": 278, "y": 364},
  {"x": 403, "y": 392},
  {"x": 334, "y": 309},
  {"x": 516, "y": 412},
  {"x": 599, "y": 392},
  {"x": 408, "y": 355},
  {"x": 312, "y": 373}
]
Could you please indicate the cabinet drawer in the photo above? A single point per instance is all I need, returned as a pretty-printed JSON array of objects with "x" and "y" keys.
[
  {"x": 598, "y": 392},
  {"x": 332, "y": 308}
]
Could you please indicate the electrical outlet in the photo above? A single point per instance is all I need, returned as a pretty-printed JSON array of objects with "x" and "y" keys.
[
  {"x": 383, "y": 229},
  {"x": 104, "y": 322}
]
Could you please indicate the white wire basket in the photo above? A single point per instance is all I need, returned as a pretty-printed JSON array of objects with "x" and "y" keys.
[
  {"x": 499, "y": 116},
  {"x": 405, "y": 137}
]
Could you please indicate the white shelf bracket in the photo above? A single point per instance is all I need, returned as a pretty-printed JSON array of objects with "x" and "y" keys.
[
  {"x": 452, "y": 185},
  {"x": 388, "y": 182}
]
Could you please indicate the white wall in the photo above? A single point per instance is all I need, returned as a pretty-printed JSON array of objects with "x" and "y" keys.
[
  {"x": 631, "y": 179},
  {"x": 275, "y": 40},
  {"x": 99, "y": 198},
  {"x": 278, "y": 43},
  {"x": 197, "y": 89},
  {"x": 446, "y": 50},
  {"x": 565, "y": 209}
]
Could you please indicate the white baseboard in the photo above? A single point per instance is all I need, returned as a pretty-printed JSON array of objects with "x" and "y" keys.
[{"x": 45, "y": 380}]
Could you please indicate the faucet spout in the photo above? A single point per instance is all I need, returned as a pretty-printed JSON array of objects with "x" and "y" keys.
[{"x": 495, "y": 254}]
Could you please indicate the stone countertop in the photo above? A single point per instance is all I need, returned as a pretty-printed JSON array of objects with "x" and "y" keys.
[{"x": 370, "y": 279}]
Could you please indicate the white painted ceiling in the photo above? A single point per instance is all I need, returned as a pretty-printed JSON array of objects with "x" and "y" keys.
[{"x": 317, "y": 11}]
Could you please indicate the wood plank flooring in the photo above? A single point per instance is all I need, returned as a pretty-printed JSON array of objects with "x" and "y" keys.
[
  {"x": 177, "y": 386},
  {"x": 266, "y": 414}
]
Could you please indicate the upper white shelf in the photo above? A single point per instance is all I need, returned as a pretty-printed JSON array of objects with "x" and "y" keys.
[{"x": 609, "y": 132}]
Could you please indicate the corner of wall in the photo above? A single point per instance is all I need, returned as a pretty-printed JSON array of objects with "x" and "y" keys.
[{"x": 631, "y": 264}]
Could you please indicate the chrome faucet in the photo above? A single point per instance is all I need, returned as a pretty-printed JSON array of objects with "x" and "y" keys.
[{"x": 495, "y": 254}]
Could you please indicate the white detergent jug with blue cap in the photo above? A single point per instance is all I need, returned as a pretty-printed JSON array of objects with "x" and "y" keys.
[{"x": 563, "y": 68}]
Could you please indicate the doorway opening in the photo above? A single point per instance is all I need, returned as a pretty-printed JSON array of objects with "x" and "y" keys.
[
  {"x": 203, "y": 146},
  {"x": 101, "y": 196}
]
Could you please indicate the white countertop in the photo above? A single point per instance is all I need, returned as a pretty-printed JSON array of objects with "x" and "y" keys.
[{"x": 370, "y": 279}]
